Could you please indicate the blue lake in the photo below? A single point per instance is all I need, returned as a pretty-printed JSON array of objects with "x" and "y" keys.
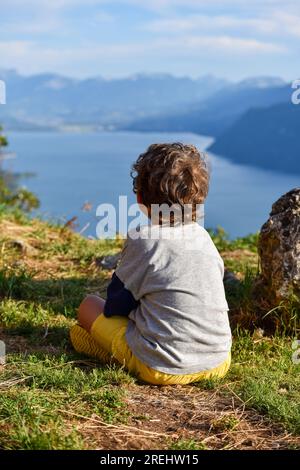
[{"x": 71, "y": 169}]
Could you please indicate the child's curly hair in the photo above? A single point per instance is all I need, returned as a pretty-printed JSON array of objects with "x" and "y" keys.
[{"x": 171, "y": 174}]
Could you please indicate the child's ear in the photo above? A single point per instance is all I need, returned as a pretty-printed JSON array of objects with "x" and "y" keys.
[
  {"x": 143, "y": 208},
  {"x": 139, "y": 198}
]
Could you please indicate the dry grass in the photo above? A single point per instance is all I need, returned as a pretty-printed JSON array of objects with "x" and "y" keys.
[{"x": 164, "y": 416}]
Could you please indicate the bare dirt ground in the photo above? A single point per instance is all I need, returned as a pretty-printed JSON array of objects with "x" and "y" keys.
[{"x": 164, "y": 415}]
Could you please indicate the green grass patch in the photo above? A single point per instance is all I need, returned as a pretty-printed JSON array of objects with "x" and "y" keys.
[
  {"x": 187, "y": 444},
  {"x": 43, "y": 398},
  {"x": 224, "y": 243},
  {"x": 267, "y": 379}
]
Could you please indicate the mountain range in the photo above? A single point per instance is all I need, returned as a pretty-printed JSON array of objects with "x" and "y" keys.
[
  {"x": 218, "y": 112},
  {"x": 50, "y": 100},
  {"x": 253, "y": 121},
  {"x": 264, "y": 137}
]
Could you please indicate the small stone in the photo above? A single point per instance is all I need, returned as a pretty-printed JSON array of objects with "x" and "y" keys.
[
  {"x": 248, "y": 442},
  {"x": 230, "y": 279},
  {"x": 258, "y": 334},
  {"x": 19, "y": 245},
  {"x": 108, "y": 262}
]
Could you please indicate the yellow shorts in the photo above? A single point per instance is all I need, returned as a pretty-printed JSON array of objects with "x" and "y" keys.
[{"x": 107, "y": 342}]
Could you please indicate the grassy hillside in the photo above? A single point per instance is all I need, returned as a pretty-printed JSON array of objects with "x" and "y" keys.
[{"x": 53, "y": 398}]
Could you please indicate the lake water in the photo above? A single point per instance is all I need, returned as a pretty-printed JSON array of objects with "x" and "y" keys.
[{"x": 71, "y": 169}]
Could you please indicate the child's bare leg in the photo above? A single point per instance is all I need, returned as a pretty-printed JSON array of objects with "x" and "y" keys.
[{"x": 90, "y": 308}]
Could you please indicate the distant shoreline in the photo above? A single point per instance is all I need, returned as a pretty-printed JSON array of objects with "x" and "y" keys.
[{"x": 93, "y": 130}]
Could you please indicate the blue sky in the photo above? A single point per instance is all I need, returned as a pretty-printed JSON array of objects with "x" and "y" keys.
[{"x": 116, "y": 38}]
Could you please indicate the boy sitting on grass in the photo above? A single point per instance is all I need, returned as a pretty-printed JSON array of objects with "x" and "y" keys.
[{"x": 165, "y": 317}]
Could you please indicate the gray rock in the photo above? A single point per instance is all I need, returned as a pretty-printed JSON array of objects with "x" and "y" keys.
[
  {"x": 230, "y": 279},
  {"x": 108, "y": 262},
  {"x": 20, "y": 245},
  {"x": 279, "y": 248}
]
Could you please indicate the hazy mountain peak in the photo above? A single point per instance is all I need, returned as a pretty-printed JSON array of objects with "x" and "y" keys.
[
  {"x": 56, "y": 83},
  {"x": 261, "y": 82},
  {"x": 53, "y": 100},
  {"x": 6, "y": 73},
  {"x": 153, "y": 76}
]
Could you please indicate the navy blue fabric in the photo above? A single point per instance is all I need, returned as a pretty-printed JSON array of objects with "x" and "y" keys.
[{"x": 120, "y": 300}]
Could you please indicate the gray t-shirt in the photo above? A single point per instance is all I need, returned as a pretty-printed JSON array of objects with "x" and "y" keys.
[{"x": 180, "y": 325}]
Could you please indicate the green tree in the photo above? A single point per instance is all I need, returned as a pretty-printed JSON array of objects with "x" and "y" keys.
[
  {"x": 3, "y": 139},
  {"x": 9, "y": 196}
]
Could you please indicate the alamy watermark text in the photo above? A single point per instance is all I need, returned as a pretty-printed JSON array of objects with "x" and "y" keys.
[
  {"x": 296, "y": 94},
  {"x": 2, "y": 92}
]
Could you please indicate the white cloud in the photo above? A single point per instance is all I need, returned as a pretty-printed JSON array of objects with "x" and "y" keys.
[
  {"x": 47, "y": 17},
  {"x": 276, "y": 23},
  {"x": 266, "y": 17},
  {"x": 179, "y": 40},
  {"x": 43, "y": 24},
  {"x": 206, "y": 22},
  {"x": 229, "y": 45},
  {"x": 287, "y": 23},
  {"x": 199, "y": 4},
  {"x": 158, "y": 5},
  {"x": 31, "y": 57},
  {"x": 37, "y": 26},
  {"x": 49, "y": 4},
  {"x": 169, "y": 5},
  {"x": 14, "y": 49}
]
